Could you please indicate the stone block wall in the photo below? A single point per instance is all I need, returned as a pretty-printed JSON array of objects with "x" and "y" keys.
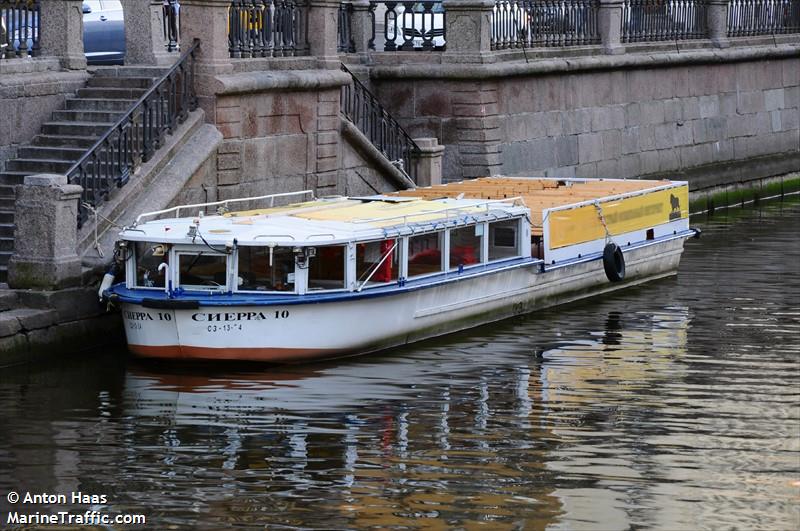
[
  {"x": 278, "y": 141},
  {"x": 30, "y": 90},
  {"x": 697, "y": 120}
]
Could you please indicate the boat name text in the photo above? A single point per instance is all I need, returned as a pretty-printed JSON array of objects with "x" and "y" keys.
[{"x": 238, "y": 316}]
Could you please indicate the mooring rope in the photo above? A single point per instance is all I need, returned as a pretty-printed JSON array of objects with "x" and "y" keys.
[
  {"x": 97, "y": 215},
  {"x": 602, "y": 219}
]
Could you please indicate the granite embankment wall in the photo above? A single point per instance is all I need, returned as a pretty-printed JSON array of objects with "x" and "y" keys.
[{"x": 712, "y": 116}]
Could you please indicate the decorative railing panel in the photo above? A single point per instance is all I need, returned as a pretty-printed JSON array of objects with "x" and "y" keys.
[
  {"x": 763, "y": 17},
  {"x": 136, "y": 135},
  {"x": 345, "y": 28},
  {"x": 20, "y": 27},
  {"x": 535, "y": 23},
  {"x": 267, "y": 28},
  {"x": 663, "y": 20},
  {"x": 170, "y": 17},
  {"x": 362, "y": 108},
  {"x": 403, "y": 26}
]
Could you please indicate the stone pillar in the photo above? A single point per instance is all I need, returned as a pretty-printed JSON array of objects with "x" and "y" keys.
[
  {"x": 362, "y": 25},
  {"x": 717, "y": 20},
  {"x": 323, "y": 32},
  {"x": 46, "y": 236},
  {"x": 609, "y": 20},
  {"x": 468, "y": 31},
  {"x": 62, "y": 32},
  {"x": 144, "y": 33},
  {"x": 429, "y": 162},
  {"x": 207, "y": 20}
]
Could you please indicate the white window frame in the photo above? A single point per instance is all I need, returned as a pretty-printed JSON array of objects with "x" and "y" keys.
[
  {"x": 442, "y": 254},
  {"x": 130, "y": 271},
  {"x": 174, "y": 271},
  {"x": 518, "y": 236},
  {"x": 484, "y": 248},
  {"x": 295, "y": 291}
]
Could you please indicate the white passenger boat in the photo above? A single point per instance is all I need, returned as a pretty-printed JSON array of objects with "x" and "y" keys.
[{"x": 337, "y": 276}]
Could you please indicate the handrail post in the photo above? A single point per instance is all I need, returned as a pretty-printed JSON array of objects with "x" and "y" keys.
[
  {"x": 323, "y": 37},
  {"x": 145, "y": 42},
  {"x": 610, "y": 24},
  {"x": 468, "y": 31},
  {"x": 46, "y": 236},
  {"x": 717, "y": 20},
  {"x": 62, "y": 32}
]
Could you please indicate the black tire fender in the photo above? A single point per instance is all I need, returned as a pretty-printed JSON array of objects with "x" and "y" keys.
[{"x": 613, "y": 262}]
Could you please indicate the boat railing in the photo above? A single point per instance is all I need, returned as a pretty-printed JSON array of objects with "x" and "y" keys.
[
  {"x": 224, "y": 204},
  {"x": 447, "y": 210}
]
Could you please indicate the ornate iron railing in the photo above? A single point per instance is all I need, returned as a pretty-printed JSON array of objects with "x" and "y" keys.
[
  {"x": 401, "y": 26},
  {"x": 362, "y": 108},
  {"x": 20, "y": 26},
  {"x": 663, "y": 20},
  {"x": 763, "y": 17},
  {"x": 267, "y": 28},
  {"x": 534, "y": 23},
  {"x": 136, "y": 135},
  {"x": 170, "y": 17},
  {"x": 345, "y": 28}
]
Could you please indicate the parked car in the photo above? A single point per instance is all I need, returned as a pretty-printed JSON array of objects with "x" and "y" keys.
[{"x": 103, "y": 32}]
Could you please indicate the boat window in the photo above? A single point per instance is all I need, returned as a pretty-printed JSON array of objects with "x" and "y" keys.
[
  {"x": 149, "y": 257},
  {"x": 465, "y": 246},
  {"x": 503, "y": 240},
  {"x": 373, "y": 259},
  {"x": 260, "y": 270},
  {"x": 203, "y": 270},
  {"x": 425, "y": 254},
  {"x": 326, "y": 269}
]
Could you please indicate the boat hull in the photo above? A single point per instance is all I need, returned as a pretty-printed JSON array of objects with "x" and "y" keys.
[{"x": 299, "y": 332}]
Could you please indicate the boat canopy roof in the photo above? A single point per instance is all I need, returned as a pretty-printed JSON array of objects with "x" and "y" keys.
[{"x": 326, "y": 221}]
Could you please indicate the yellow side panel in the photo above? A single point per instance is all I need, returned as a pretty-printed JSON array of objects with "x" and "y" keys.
[{"x": 583, "y": 224}]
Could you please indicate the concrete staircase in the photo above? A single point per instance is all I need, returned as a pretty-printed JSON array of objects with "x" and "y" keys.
[{"x": 109, "y": 93}]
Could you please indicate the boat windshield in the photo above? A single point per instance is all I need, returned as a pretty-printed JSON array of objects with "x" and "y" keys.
[
  {"x": 503, "y": 239},
  {"x": 265, "y": 269},
  {"x": 425, "y": 254},
  {"x": 374, "y": 265},
  {"x": 150, "y": 273},
  {"x": 203, "y": 270},
  {"x": 326, "y": 269},
  {"x": 466, "y": 246}
]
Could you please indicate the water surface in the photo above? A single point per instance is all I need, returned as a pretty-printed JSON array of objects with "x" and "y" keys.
[{"x": 674, "y": 405}]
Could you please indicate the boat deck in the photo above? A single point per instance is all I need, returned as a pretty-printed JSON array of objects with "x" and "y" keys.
[{"x": 538, "y": 194}]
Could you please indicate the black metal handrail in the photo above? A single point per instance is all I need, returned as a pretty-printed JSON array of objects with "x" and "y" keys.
[
  {"x": 553, "y": 23},
  {"x": 663, "y": 20},
  {"x": 136, "y": 135},
  {"x": 267, "y": 28},
  {"x": 20, "y": 22},
  {"x": 763, "y": 17},
  {"x": 408, "y": 25},
  {"x": 362, "y": 108}
]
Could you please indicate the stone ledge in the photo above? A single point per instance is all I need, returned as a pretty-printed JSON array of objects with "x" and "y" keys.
[
  {"x": 579, "y": 64},
  {"x": 362, "y": 145},
  {"x": 248, "y": 82},
  {"x": 29, "y": 65}
]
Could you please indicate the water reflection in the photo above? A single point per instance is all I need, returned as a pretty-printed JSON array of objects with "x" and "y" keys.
[{"x": 673, "y": 405}]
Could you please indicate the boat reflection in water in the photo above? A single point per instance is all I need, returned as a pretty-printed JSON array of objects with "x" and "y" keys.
[{"x": 422, "y": 434}]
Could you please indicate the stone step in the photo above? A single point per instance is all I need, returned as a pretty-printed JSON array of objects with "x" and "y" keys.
[
  {"x": 6, "y": 216},
  {"x": 111, "y": 93},
  {"x": 75, "y": 141},
  {"x": 13, "y": 321},
  {"x": 8, "y": 191},
  {"x": 13, "y": 178},
  {"x": 46, "y": 152},
  {"x": 8, "y": 204},
  {"x": 99, "y": 104},
  {"x": 81, "y": 115},
  {"x": 129, "y": 71},
  {"x": 40, "y": 165},
  {"x": 84, "y": 129},
  {"x": 7, "y": 244},
  {"x": 8, "y": 299},
  {"x": 120, "y": 82},
  {"x": 6, "y": 230}
]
